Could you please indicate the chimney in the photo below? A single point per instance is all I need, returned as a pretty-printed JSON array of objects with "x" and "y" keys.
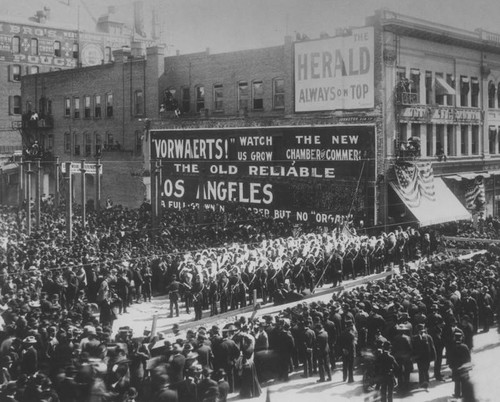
[
  {"x": 121, "y": 55},
  {"x": 47, "y": 13}
]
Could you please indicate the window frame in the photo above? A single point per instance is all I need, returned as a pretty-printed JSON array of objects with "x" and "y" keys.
[
  {"x": 30, "y": 69},
  {"x": 76, "y": 144},
  {"x": 109, "y": 104},
  {"x": 16, "y": 44},
  {"x": 17, "y": 107},
  {"x": 199, "y": 92},
  {"x": 243, "y": 96},
  {"x": 474, "y": 92},
  {"x": 67, "y": 106},
  {"x": 15, "y": 77},
  {"x": 97, "y": 107},
  {"x": 57, "y": 48},
  {"x": 464, "y": 91},
  {"x": 34, "y": 47},
  {"x": 277, "y": 94},
  {"x": 257, "y": 106},
  {"x": 218, "y": 97},
  {"x": 76, "y": 107},
  {"x": 87, "y": 111},
  {"x": 76, "y": 50}
]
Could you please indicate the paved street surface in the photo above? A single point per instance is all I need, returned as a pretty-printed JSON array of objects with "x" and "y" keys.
[{"x": 485, "y": 357}]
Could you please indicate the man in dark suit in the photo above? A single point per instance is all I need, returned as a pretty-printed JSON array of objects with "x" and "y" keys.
[
  {"x": 425, "y": 352},
  {"x": 322, "y": 349},
  {"x": 285, "y": 347},
  {"x": 226, "y": 353},
  {"x": 307, "y": 341},
  {"x": 348, "y": 345},
  {"x": 173, "y": 295},
  {"x": 208, "y": 389},
  {"x": 176, "y": 363}
]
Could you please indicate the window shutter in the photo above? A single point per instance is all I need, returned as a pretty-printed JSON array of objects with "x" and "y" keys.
[
  {"x": 9, "y": 73},
  {"x": 11, "y": 104}
]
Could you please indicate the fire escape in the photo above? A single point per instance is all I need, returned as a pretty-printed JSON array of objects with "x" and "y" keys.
[{"x": 34, "y": 129}]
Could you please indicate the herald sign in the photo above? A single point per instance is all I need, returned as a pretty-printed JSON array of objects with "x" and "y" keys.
[{"x": 335, "y": 73}]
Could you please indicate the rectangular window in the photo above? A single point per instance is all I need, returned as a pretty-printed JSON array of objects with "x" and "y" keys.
[
  {"x": 200, "y": 98},
  {"x": 428, "y": 87},
  {"x": 33, "y": 69},
  {"x": 474, "y": 93},
  {"x": 97, "y": 106},
  {"x": 98, "y": 144},
  {"x": 67, "y": 107},
  {"x": 258, "y": 95},
  {"x": 75, "y": 50},
  {"x": 109, "y": 105},
  {"x": 464, "y": 91},
  {"x": 86, "y": 106},
  {"x": 186, "y": 99},
  {"x": 34, "y": 47},
  {"x": 401, "y": 74},
  {"x": 464, "y": 140},
  {"x": 88, "y": 144},
  {"x": 279, "y": 93},
  {"x": 439, "y": 94},
  {"x": 492, "y": 139},
  {"x": 475, "y": 140},
  {"x": 76, "y": 108},
  {"x": 429, "y": 144},
  {"x": 139, "y": 103},
  {"x": 57, "y": 48},
  {"x": 440, "y": 133},
  {"x": 414, "y": 85},
  {"x": 67, "y": 142},
  {"x": 243, "y": 96},
  {"x": 16, "y": 105},
  {"x": 16, "y": 44},
  {"x": 450, "y": 79},
  {"x": 76, "y": 141},
  {"x": 451, "y": 140},
  {"x": 16, "y": 73},
  {"x": 218, "y": 98}
]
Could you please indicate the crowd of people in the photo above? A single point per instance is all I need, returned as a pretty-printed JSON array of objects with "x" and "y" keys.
[{"x": 59, "y": 300}]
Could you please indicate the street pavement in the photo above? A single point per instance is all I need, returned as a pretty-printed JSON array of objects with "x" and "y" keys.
[{"x": 485, "y": 358}]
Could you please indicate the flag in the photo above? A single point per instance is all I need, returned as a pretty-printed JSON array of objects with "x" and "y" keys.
[
  {"x": 415, "y": 180},
  {"x": 475, "y": 193}
]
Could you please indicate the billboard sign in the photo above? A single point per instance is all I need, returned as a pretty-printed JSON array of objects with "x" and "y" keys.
[
  {"x": 298, "y": 173},
  {"x": 335, "y": 73}
]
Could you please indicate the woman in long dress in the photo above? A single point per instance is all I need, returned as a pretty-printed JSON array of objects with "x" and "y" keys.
[{"x": 250, "y": 386}]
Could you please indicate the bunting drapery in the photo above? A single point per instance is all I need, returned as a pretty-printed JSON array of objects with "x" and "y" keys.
[
  {"x": 415, "y": 180},
  {"x": 475, "y": 196}
]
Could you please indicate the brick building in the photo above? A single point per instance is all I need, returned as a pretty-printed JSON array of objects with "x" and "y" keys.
[
  {"x": 311, "y": 129},
  {"x": 98, "y": 112},
  {"x": 57, "y": 37}
]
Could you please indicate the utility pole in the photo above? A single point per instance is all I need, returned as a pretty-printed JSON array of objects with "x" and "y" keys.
[
  {"x": 28, "y": 203},
  {"x": 38, "y": 195},
  {"x": 57, "y": 170},
  {"x": 98, "y": 184},
  {"x": 69, "y": 203},
  {"x": 84, "y": 193}
]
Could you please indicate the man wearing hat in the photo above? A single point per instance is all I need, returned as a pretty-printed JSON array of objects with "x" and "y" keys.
[
  {"x": 176, "y": 363},
  {"x": 348, "y": 341},
  {"x": 208, "y": 389},
  {"x": 29, "y": 356},
  {"x": 387, "y": 367},
  {"x": 226, "y": 353},
  {"x": 403, "y": 352},
  {"x": 322, "y": 352},
  {"x": 458, "y": 359},
  {"x": 424, "y": 352}
]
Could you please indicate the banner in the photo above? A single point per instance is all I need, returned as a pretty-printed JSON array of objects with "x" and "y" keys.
[
  {"x": 297, "y": 173},
  {"x": 335, "y": 73},
  {"x": 415, "y": 180}
]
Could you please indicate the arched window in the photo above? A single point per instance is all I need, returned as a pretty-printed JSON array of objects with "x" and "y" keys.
[
  {"x": 98, "y": 143},
  {"x": 491, "y": 95},
  {"x": 139, "y": 102},
  {"x": 200, "y": 98},
  {"x": 258, "y": 95},
  {"x": 243, "y": 95}
]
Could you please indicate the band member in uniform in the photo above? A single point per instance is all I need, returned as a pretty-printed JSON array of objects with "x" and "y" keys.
[{"x": 173, "y": 295}]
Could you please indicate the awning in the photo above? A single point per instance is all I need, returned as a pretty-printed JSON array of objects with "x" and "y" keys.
[
  {"x": 445, "y": 208},
  {"x": 467, "y": 176},
  {"x": 443, "y": 88}
]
